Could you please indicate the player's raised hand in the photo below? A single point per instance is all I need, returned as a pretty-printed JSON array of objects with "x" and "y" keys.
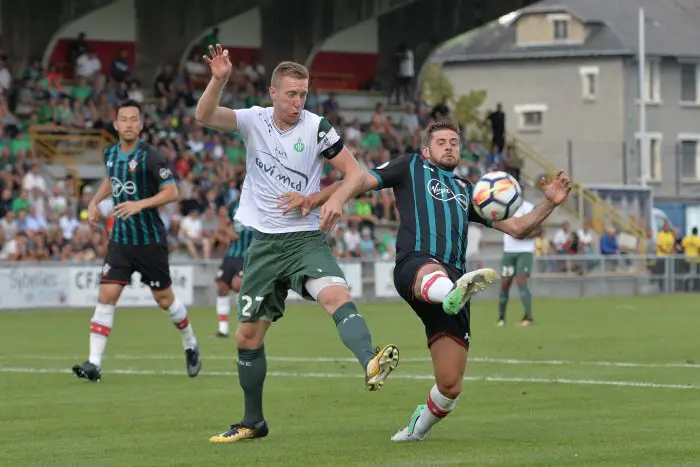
[
  {"x": 558, "y": 189},
  {"x": 331, "y": 212},
  {"x": 219, "y": 62},
  {"x": 294, "y": 200}
]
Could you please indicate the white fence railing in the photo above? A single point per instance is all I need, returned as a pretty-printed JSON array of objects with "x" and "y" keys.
[{"x": 75, "y": 285}]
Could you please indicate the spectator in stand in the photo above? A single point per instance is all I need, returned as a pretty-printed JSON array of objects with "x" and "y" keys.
[
  {"x": 76, "y": 48},
  {"x": 497, "y": 120},
  {"x": 352, "y": 239},
  {"x": 120, "y": 69},
  {"x": 405, "y": 73},
  {"x": 5, "y": 78},
  {"x": 440, "y": 111},
  {"x": 585, "y": 236},
  {"x": 561, "y": 237},
  {"x": 88, "y": 65},
  {"x": 163, "y": 86},
  {"x": 192, "y": 235},
  {"x": 609, "y": 246}
]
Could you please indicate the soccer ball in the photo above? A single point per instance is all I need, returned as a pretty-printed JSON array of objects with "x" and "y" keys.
[{"x": 497, "y": 196}]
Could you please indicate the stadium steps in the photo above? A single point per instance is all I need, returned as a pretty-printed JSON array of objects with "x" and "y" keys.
[{"x": 583, "y": 203}]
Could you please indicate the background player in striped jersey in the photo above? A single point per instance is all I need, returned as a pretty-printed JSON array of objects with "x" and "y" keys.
[
  {"x": 518, "y": 256},
  {"x": 230, "y": 273},
  {"x": 434, "y": 208},
  {"x": 139, "y": 181}
]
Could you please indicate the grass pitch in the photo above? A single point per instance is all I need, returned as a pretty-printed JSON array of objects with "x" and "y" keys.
[{"x": 612, "y": 381}]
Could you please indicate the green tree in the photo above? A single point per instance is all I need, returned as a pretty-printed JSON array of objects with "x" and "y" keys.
[
  {"x": 436, "y": 87},
  {"x": 466, "y": 109},
  {"x": 467, "y": 112}
]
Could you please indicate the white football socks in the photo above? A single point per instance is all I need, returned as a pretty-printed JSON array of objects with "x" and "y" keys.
[
  {"x": 100, "y": 327},
  {"x": 438, "y": 407},
  {"x": 178, "y": 315},
  {"x": 435, "y": 287},
  {"x": 223, "y": 307}
]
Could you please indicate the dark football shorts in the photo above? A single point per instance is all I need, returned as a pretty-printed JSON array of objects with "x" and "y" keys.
[
  {"x": 151, "y": 261},
  {"x": 230, "y": 268},
  {"x": 436, "y": 322}
]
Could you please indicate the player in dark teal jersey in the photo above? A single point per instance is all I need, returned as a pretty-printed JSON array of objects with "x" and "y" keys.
[
  {"x": 435, "y": 206},
  {"x": 230, "y": 273},
  {"x": 140, "y": 181}
]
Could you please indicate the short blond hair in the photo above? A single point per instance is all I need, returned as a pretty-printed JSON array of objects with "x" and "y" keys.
[
  {"x": 291, "y": 70},
  {"x": 443, "y": 124}
]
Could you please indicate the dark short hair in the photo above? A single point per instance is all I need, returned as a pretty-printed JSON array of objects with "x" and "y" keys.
[
  {"x": 695, "y": 231},
  {"x": 443, "y": 124},
  {"x": 129, "y": 103}
]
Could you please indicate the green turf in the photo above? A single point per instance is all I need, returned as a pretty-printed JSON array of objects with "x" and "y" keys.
[{"x": 565, "y": 396}]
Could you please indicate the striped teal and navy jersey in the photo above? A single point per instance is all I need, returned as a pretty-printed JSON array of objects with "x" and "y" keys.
[
  {"x": 238, "y": 248},
  {"x": 137, "y": 175},
  {"x": 434, "y": 208}
]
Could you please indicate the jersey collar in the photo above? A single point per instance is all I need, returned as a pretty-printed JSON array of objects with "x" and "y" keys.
[
  {"x": 440, "y": 171},
  {"x": 122, "y": 156}
]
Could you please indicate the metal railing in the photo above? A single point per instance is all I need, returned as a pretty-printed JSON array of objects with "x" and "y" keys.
[
  {"x": 74, "y": 284},
  {"x": 69, "y": 146},
  {"x": 603, "y": 212}
]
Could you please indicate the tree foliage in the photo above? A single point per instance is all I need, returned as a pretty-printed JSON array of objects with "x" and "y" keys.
[{"x": 466, "y": 109}]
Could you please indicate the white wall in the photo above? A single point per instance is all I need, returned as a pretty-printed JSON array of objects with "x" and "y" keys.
[
  {"x": 241, "y": 31},
  {"x": 362, "y": 38},
  {"x": 114, "y": 22}
]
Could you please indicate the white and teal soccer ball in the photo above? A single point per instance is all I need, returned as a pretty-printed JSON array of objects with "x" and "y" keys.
[{"x": 497, "y": 196}]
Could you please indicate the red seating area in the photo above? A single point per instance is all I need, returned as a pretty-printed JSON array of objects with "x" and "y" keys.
[{"x": 330, "y": 70}]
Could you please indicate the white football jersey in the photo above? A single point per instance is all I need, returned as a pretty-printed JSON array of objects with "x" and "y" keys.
[
  {"x": 281, "y": 161},
  {"x": 513, "y": 245}
]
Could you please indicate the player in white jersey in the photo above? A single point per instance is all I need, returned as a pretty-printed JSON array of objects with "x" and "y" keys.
[
  {"x": 285, "y": 151},
  {"x": 517, "y": 262}
]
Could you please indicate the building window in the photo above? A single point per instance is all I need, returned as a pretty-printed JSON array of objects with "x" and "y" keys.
[
  {"x": 690, "y": 82},
  {"x": 654, "y": 144},
  {"x": 589, "y": 82},
  {"x": 652, "y": 86},
  {"x": 561, "y": 23},
  {"x": 689, "y": 149},
  {"x": 561, "y": 29},
  {"x": 530, "y": 116}
]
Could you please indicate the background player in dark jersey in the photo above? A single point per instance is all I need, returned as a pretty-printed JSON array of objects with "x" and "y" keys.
[
  {"x": 434, "y": 208},
  {"x": 139, "y": 180},
  {"x": 230, "y": 274}
]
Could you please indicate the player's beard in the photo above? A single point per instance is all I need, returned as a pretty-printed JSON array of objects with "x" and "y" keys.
[{"x": 449, "y": 166}]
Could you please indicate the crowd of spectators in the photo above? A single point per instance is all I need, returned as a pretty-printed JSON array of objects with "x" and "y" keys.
[{"x": 43, "y": 218}]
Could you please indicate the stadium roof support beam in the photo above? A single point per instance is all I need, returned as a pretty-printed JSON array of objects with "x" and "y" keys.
[
  {"x": 163, "y": 33},
  {"x": 296, "y": 30},
  {"x": 425, "y": 24},
  {"x": 28, "y": 26}
]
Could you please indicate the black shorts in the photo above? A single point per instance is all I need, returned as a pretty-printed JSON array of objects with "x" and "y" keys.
[
  {"x": 230, "y": 268},
  {"x": 150, "y": 261},
  {"x": 437, "y": 323}
]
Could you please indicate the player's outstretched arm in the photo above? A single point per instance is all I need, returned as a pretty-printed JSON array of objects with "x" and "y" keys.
[
  {"x": 208, "y": 111},
  {"x": 293, "y": 200},
  {"x": 353, "y": 177},
  {"x": 555, "y": 193}
]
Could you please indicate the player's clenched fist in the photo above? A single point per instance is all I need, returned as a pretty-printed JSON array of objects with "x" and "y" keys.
[{"x": 219, "y": 62}]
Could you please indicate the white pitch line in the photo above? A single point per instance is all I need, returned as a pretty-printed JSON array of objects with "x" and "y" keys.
[
  {"x": 490, "y": 379},
  {"x": 504, "y": 361}
]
